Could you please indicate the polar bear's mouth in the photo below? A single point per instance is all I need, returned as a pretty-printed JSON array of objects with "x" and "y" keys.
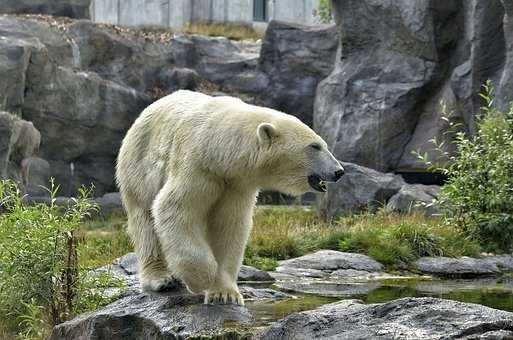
[{"x": 317, "y": 183}]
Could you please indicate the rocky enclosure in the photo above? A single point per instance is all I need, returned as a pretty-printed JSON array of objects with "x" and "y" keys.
[
  {"x": 176, "y": 314},
  {"x": 371, "y": 85}
]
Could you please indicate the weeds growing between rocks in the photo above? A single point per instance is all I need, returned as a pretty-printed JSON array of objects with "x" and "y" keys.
[{"x": 42, "y": 281}]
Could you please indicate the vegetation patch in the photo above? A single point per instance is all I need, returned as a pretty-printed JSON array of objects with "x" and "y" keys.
[{"x": 42, "y": 280}]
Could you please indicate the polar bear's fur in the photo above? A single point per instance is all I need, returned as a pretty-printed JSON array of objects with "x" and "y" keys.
[{"x": 189, "y": 170}]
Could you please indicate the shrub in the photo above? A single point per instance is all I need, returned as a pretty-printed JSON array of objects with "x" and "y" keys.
[
  {"x": 324, "y": 11},
  {"x": 478, "y": 195},
  {"x": 41, "y": 282}
]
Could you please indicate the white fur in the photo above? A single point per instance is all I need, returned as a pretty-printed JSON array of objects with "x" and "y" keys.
[{"x": 189, "y": 170}]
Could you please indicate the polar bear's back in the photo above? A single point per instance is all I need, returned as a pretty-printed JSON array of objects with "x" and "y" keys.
[{"x": 161, "y": 139}]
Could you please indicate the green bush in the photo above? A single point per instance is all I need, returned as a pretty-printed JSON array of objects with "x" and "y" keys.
[
  {"x": 41, "y": 281},
  {"x": 478, "y": 195},
  {"x": 324, "y": 11}
]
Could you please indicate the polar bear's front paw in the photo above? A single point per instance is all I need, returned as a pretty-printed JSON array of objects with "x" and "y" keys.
[
  {"x": 224, "y": 296},
  {"x": 159, "y": 284}
]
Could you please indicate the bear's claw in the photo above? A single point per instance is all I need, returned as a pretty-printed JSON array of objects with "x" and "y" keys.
[
  {"x": 224, "y": 297},
  {"x": 160, "y": 284}
]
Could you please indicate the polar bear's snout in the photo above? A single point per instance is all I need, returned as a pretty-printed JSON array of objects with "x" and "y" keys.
[{"x": 328, "y": 169}]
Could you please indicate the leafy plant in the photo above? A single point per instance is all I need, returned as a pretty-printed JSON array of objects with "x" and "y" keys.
[
  {"x": 478, "y": 195},
  {"x": 41, "y": 281}
]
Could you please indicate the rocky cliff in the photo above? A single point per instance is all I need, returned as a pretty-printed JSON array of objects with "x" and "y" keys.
[{"x": 396, "y": 61}]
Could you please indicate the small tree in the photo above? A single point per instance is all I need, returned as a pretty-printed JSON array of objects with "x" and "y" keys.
[
  {"x": 478, "y": 194},
  {"x": 41, "y": 282}
]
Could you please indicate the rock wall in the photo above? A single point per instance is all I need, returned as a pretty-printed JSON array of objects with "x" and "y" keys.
[
  {"x": 83, "y": 84},
  {"x": 396, "y": 61}
]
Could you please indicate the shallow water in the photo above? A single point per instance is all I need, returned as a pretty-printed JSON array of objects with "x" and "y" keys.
[{"x": 494, "y": 293}]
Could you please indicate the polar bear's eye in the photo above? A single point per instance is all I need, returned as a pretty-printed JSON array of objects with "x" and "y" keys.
[{"x": 316, "y": 146}]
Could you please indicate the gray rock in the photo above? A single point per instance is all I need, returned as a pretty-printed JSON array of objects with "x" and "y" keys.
[
  {"x": 331, "y": 260},
  {"x": 296, "y": 58},
  {"x": 157, "y": 316},
  {"x": 258, "y": 294},
  {"x": 408, "y": 318},
  {"x": 36, "y": 176},
  {"x": 68, "y": 8},
  {"x": 396, "y": 62},
  {"x": 19, "y": 140},
  {"x": 250, "y": 274},
  {"x": 503, "y": 262},
  {"x": 368, "y": 107},
  {"x": 359, "y": 189},
  {"x": 82, "y": 119},
  {"x": 129, "y": 264},
  {"x": 458, "y": 267},
  {"x": 414, "y": 197},
  {"x": 178, "y": 78},
  {"x": 110, "y": 203}
]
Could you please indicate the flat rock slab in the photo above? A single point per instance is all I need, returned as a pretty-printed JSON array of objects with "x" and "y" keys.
[
  {"x": 329, "y": 261},
  {"x": 176, "y": 315},
  {"x": 458, "y": 267},
  {"x": 408, "y": 318}
]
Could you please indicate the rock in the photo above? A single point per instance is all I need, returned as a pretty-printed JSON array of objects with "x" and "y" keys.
[
  {"x": 123, "y": 58},
  {"x": 397, "y": 62},
  {"x": 331, "y": 260},
  {"x": 82, "y": 119},
  {"x": 19, "y": 140},
  {"x": 157, "y": 316},
  {"x": 414, "y": 197},
  {"x": 249, "y": 274},
  {"x": 226, "y": 64},
  {"x": 178, "y": 78},
  {"x": 36, "y": 176},
  {"x": 503, "y": 262},
  {"x": 368, "y": 107},
  {"x": 505, "y": 84},
  {"x": 68, "y": 8},
  {"x": 110, "y": 203},
  {"x": 359, "y": 189},
  {"x": 407, "y": 318},
  {"x": 457, "y": 267},
  {"x": 258, "y": 294},
  {"x": 129, "y": 264},
  {"x": 296, "y": 58}
]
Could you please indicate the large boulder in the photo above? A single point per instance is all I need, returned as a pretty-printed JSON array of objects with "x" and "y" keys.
[
  {"x": 369, "y": 105},
  {"x": 176, "y": 315},
  {"x": 82, "y": 119},
  {"x": 296, "y": 58},
  {"x": 68, "y": 8},
  {"x": 19, "y": 141},
  {"x": 459, "y": 267},
  {"x": 396, "y": 62},
  {"x": 414, "y": 197},
  {"x": 408, "y": 318},
  {"x": 359, "y": 189}
]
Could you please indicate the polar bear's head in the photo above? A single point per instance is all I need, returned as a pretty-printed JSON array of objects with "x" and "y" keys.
[{"x": 297, "y": 160}]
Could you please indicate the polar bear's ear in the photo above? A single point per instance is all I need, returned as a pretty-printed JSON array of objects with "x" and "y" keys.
[{"x": 266, "y": 133}]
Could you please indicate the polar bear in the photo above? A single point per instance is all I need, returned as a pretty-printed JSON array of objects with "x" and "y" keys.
[{"x": 189, "y": 170}]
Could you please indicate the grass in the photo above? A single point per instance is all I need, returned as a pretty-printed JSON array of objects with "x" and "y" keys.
[
  {"x": 283, "y": 233},
  {"x": 103, "y": 240},
  {"x": 389, "y": 238},
  {"x": 230, "y": 31}
]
